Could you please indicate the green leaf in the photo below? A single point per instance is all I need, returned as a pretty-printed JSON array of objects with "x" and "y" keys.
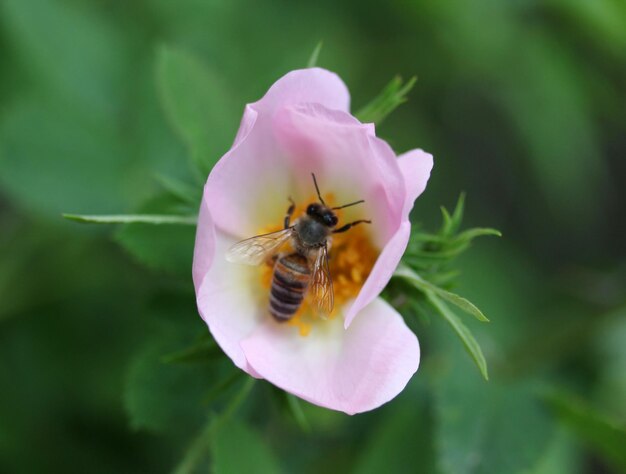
[
  {"x": 453, "y": 223},
  {"x": 470, "y": 343},
  {"x": 238, "y": 448},
  {"x": 601, "y": 433},
  {"x": 168, "y": 248},
  {"x": 393, "y": 95},
  {"x": 401, "y": 438},
  {"x": 488, "y": 428},
  {"x": 165, "y": 248},
  {"x": 298, "y": 414},
  {"x": 160, "y": 396},
  {"x": 312, "y": 62},
  {"x": 203, "y": 351},
  {"x": 197, "y": 451},
  {"x": 198, "y": 105},
  {"x": 470, "y": 234},
  {"x": 180, "y": 189},
  {"x": 155, "y": 219},
  {"x": 405, "y": 272}
]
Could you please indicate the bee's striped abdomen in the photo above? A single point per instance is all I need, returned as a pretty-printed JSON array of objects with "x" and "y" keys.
[{"x": 289, "y": 285}]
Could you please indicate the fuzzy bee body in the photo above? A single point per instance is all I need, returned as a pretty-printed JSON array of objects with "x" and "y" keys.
[{"x": 289, "y": 285}]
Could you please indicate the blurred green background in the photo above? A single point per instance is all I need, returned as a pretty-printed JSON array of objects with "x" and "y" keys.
[{"x": 522, "y": 104}]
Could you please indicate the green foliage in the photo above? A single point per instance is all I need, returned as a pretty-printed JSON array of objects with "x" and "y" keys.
[
  {"x": 238, "y": 447},
  {"x": 162, "y": 397},
  {"x": 535, "y": 133},
  {"x": 180, "y": 189},
  {"x": 604, "y": 435},
  {"x": 155, "y": 219},
  {"x": 198, "y": 105},
  {"x": 430, "y": 289},
  {"x": 478, "y": 425},
  {"x": 298, "y": 414},
  {"x": 167, "y": 247},
  {"x": 392, "y": 96},
  {"x": 399, "y": 442},
  {"x": 205, "y": 349},
  {"x": 312, "y": 62},
  {"x": 166, "y": 382},
  {"x": 470, "y": 343},
  {"x": 431, "y": 255}
]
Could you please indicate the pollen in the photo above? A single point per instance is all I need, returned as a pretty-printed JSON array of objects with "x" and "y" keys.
[{"x": 351, "y": 259}]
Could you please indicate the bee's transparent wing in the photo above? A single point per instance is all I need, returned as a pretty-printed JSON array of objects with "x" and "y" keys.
[
  {"x": 256, "y": 250},
  {"x": 321, "y": 287}
]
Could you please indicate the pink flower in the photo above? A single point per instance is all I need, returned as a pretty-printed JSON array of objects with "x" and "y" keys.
[{"x": 364, "y": 354}]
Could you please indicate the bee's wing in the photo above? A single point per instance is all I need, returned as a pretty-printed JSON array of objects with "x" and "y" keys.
[
  {"x": 321, "y": 283},
  {"x": 256, "y": 250}
]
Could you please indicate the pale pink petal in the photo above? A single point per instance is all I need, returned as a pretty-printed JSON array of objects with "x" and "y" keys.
[
  {"x": 353, "y": 370},
  {"x": 313, "y": 85},
  {"x": 229, "y": 296},
  {"x": 416, "y": 166},
  {"x": 247, "y": 122},
  {"x": 204, "y": 250},
  {"x": 382, "y": 272},
  {"x": 347, "y": 160},
  {"x": 248, "y": 188}
]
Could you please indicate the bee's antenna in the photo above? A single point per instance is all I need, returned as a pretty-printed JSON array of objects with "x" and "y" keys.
[
  {"x": 319, "y": 195},
  {"x": 348, "y": 205}
]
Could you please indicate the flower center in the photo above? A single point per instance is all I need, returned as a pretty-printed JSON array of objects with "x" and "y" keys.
[{"x": 350, "y": 260}]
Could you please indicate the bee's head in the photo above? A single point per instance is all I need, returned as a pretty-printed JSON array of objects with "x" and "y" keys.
[{"x": 322, "y": 214}]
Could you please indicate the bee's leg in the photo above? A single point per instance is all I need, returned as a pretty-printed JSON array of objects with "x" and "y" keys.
[
  {"x": 349, "y": 225},
  {"x": 289, "y": 213}
]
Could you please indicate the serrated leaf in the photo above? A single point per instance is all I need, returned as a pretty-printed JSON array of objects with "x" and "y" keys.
[
  {"x": 198, "y": 105},
  {"x": 153, "y": 219},
  {"x": 469, "y": 341},
  {"x": 452, "y": 223},
  {"x": 312, "y": 62},
  {"x": 404, "y": 272},
  {"x": 239, "y": 448},
  {"x": 602, "y": 434},
  {"x": 392, "y": 96},
  {"x": 468, "y": 235}
]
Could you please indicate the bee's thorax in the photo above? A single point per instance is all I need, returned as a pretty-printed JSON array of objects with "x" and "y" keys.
[{"x": 310, "y": 233}]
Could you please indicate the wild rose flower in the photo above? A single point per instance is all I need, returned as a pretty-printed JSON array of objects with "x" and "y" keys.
[{"x": 363, "y": 355}]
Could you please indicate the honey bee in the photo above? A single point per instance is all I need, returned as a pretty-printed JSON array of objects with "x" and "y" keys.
[{"x": 306, "y": 268}]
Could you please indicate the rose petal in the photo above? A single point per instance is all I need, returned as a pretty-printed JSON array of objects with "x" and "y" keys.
[
  {"x": 382, "y": 272},
  {"x": 248, "y": 188},
  {"x": 347, "y": 160},
  {"x": 315, "y": 85},
  {"x": 204, "y": 249},
  {"x": 227, "y": 294},
  {"x": 416, "y": 166},
  {"x": 353, "y": 371}
]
